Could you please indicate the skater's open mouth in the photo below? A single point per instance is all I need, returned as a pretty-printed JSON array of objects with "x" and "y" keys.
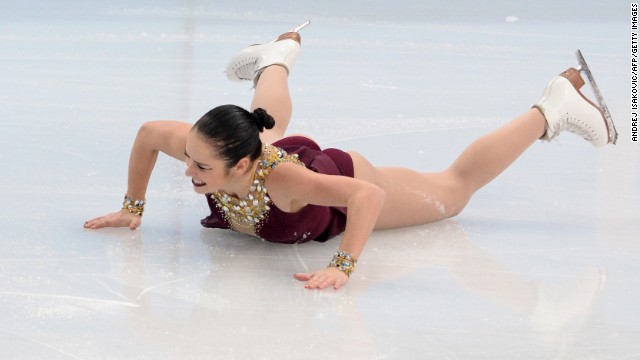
[{"x": 197, "y": 183}]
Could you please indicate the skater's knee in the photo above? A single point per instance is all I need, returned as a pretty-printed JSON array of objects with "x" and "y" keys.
[
  {"x": 456, "y": 209},
  {"x": 460, "y": 191}
]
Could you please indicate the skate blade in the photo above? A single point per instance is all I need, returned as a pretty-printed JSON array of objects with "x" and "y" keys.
[
  {"x": 294, "y": 30},
  {"x": 613, "y": 134},
  {"x": 301, "y": 26}
]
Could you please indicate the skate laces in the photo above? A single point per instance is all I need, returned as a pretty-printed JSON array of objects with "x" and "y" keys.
[
  {"x": 576, "y": 126},
  {"x": 245, "y": 69}
]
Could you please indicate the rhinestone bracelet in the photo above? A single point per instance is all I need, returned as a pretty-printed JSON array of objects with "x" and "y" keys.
[
  {"x": 344, "y": 262},
  {"x": 133, "y": 206}
]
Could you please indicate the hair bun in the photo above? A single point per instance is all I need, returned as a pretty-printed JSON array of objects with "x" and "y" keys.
[{"x": 263, "y": 119}]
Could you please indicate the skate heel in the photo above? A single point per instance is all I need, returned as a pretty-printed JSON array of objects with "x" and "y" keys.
[
  {"x": 293, "y": 33},
  {"x": 290, "y": 36},
  {"x": 573, "y": 75}
]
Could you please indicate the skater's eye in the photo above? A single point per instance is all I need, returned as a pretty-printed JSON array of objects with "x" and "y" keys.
[{"x": 199, "y": 165}]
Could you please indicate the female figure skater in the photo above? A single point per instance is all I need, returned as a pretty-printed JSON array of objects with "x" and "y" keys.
[{"x": 233, "y": 156}]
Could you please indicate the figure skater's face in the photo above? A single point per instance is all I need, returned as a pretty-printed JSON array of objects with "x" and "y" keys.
[{"x": 207, "y": 171}]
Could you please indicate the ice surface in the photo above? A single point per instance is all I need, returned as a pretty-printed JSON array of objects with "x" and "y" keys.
[{"x": 543, "y": 264}]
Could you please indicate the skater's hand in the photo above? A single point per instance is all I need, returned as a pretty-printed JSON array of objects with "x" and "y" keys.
[
  {"x": 324, "y": 278},
  {"x": 121, "y": 218}
]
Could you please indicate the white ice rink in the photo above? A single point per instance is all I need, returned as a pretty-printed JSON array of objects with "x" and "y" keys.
[{"x": 543, "y": 264}]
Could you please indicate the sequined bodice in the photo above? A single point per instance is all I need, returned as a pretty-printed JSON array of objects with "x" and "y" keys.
[
  {"x": 252, "y": 210},
  {"x": 312, "y": 222}
]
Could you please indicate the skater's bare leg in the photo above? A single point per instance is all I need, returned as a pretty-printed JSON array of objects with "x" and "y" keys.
[
  {"x": 418, "y": 198},
  {"x": 268, "y": 66},
  {"x": 272, "y": 94},
  {"x": 491, "y": 154}
]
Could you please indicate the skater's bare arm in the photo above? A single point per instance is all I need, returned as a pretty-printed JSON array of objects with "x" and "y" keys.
[
  {"x": 153, "y": 137},
  {"x": 169, "y": 137},
  {"x": 293, "y": 187}
]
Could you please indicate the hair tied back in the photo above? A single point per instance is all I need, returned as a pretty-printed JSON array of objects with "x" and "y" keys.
[{"x": 263, "y": 119}]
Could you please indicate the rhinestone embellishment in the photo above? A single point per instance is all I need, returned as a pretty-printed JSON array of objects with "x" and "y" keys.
[{"x": 252, "y": 210}]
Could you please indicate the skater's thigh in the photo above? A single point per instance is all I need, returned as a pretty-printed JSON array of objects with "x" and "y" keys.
[
  {"x": 270, "y": 136},
  {"x": 412, "y": 198}
]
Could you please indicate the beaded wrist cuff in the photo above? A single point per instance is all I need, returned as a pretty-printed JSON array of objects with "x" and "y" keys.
[
  {"x": 133, "y": 206},
  {"x": 344, "y": 262}
]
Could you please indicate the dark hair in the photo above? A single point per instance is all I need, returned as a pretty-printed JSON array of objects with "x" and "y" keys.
[{"x": 235, "y": 132}]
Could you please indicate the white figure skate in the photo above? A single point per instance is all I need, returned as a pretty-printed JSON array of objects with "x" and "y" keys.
[
  {"x": 249, "y": 62},
  {"x": 566, "y": 108}
]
